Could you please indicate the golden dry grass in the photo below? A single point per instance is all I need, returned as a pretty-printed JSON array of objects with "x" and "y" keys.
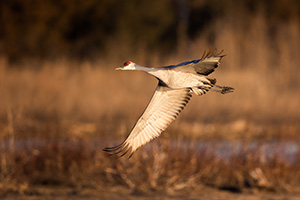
[{"x": 55, "y": 121}]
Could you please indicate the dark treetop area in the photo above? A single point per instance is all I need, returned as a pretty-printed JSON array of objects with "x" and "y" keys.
[{"x": 92, "y": 29}]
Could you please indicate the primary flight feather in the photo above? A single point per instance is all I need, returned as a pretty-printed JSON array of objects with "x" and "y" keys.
[{"x": 176, "y": 83}]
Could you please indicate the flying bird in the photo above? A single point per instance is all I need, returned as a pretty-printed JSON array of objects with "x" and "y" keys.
[{"x": 176, "y": 84}]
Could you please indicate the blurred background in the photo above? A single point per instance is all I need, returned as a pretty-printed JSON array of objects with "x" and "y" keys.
[{"x": 61, "y": 102}]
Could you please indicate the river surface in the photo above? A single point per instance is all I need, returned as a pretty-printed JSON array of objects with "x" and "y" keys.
[{"x": 287, "y": 151}]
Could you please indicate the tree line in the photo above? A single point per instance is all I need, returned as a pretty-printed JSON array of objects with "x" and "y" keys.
[{"x": 85, "y": 29}]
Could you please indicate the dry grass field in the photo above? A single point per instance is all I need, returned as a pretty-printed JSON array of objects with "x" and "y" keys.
[{"x": 56, "y": 118}]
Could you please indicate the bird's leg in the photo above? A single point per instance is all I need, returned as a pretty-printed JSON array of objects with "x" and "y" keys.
[{"x": 222, "y": 89}]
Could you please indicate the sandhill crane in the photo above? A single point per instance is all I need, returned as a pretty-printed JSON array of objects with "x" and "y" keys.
[{"x": 176, "y": 83}]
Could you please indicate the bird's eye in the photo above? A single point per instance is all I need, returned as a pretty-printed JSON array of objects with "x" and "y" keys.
[{"x": 126, "y": 63}]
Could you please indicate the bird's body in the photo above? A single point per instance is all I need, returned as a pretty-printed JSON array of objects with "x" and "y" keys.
[
  {"x": 177, "y": 79},
  {"x": 174, "y": 90}
]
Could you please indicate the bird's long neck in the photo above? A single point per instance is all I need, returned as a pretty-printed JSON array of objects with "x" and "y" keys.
[{"x": 145, "y": 69}]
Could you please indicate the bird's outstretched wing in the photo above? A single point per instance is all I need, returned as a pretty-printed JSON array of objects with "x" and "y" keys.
[
  {"x": 209, "y": 61},
  {"x": 164, "y": 107}
]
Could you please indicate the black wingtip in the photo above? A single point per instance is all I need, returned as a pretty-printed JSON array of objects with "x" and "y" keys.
[
  {"x": 209, "y": 53},
  {"x": 119, "y": 150}
]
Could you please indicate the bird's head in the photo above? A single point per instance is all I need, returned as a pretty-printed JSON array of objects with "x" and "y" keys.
[{"x": 128, "y": 65}]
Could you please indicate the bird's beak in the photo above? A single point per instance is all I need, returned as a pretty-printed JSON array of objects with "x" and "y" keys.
[{"x": 119, "y": 68}]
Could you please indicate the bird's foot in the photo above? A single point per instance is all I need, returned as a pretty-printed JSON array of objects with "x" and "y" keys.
[
  {"x": 226, "y": 90},
  {"x": 223, "y": 89}
]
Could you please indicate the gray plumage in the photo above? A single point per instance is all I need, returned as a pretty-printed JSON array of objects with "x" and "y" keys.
[{"x": 175, "y": 87}]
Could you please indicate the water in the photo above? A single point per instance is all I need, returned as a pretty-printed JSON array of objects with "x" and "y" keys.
[{"x": 287, "y": 151}]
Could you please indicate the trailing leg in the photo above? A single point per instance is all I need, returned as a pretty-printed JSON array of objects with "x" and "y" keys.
[{"x": 222, "y": 89}]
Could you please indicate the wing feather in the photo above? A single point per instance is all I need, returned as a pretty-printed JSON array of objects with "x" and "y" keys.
[
  {"x": 209, "y": 61},
  {"x": 163, "y": 108}
]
